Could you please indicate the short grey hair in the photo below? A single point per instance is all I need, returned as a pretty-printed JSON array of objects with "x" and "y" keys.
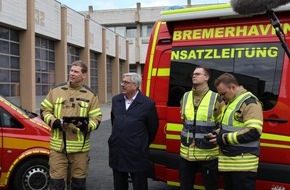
[{"x": 135, "y": 78}]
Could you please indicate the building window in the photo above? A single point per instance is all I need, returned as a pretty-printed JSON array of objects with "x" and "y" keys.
[
  {"x": 94, "y": 71},
  {"x": 131, "y": 32},
  {"x": 121, "y": 31},
  {"x": 146, "y": 30},
  {"x": 44, "y": 65},
  {"x": 73, "y": 54},
  {"x": 9, "y": 62},
  {"x": 133, "y": 68}
]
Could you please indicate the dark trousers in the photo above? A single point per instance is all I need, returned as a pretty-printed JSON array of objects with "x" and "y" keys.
[
  {"x": 239, "y": 180},
  {"x": 139, "y": 180},
  {"x": 208, "y": 169}
]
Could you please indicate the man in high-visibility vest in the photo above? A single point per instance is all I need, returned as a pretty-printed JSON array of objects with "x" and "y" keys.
[
  {"x": 198, "y": 113},
  {"x": 239, "y": 134},
  {"x": 72, "y": 111}
]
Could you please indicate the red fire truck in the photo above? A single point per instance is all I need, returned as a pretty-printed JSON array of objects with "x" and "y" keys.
[
  {"x": 24, "y": 149},
  {"x": 218, "y": 38}
]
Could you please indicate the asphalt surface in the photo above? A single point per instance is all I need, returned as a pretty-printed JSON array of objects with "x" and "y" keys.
[{"x": 100, "y": 175}]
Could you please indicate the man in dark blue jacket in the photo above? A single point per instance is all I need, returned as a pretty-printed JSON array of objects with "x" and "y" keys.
[{"x": 134, "y": 126}]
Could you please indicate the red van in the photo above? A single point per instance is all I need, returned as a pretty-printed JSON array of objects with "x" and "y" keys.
[
  {"x": 24, "y": 149},
  {"x": 218, "y": 38}
]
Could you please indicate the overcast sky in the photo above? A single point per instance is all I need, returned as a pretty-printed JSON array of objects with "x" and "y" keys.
[{"x": 82, "y": 5}]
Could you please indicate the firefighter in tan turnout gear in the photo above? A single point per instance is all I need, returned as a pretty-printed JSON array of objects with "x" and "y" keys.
[{"x": 70, "y": 138}]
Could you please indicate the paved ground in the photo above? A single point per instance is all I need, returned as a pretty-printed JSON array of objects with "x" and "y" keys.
[{"x": 100, "y": 174}]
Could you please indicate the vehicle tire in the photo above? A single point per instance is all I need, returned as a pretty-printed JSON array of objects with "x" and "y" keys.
[{"x": 32, "y": 175}]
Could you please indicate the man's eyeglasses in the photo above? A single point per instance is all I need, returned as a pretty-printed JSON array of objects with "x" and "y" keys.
[
  {"x": 197, "y": 74},
  {"x": 126, "y": 82}
]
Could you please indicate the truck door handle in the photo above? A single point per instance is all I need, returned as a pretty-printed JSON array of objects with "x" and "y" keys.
[{"x": 279, "y": 120}]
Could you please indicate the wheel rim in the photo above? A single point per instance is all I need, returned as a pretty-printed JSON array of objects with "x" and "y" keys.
[{"x": 36, "y": 178}]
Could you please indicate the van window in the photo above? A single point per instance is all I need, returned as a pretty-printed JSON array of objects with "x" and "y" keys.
[
  {"x": 8, "y": 121},
  {"x": 258, "y": 67}
]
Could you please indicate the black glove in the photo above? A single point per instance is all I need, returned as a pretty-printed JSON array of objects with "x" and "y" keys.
[
  {"x": 83, "y": 127},
  {"x": 219, "y": 139},
  {"x": 57, "y": 124}
]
